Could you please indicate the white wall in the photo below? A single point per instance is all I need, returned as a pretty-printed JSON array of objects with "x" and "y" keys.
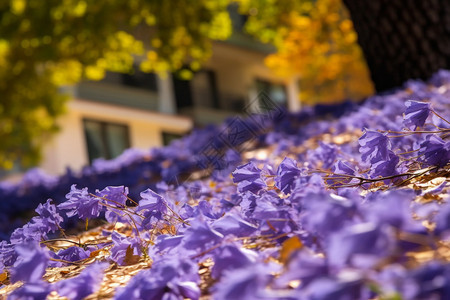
[
  {"x": 237, "y": 70},
  {"x": 68, "y": 147}
]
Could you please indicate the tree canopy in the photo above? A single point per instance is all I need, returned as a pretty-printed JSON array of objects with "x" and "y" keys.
[{"x": 317, "y": 41}]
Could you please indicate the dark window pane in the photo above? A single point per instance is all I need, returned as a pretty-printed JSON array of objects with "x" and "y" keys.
[
  {"x": 136, "y": 79},
  {"x": 106, "y": 140},
  {"x": 139, "y": 79},
  {"x": 94, "y": 140},
  {"x": 169, "y": 137},
  {"x": 276, "y": 92},
  {"x": 183, "y": 94},
  {"x": 204, "y": 89},
  {"x": 200, "y": 91},
  {"x": 117, "y": 139}
]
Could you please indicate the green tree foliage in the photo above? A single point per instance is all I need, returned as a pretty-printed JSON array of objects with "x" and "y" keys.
[{"x": 48, "y": 44}]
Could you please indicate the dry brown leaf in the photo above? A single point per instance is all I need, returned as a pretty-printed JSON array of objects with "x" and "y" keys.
[
  {"x": 130, "y": 258},
  {"x": 95, "y": 253}
]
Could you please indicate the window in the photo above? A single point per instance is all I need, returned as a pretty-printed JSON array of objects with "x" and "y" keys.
[
  {"x": 135, "y": 79},
  {"x": 106, "y": 140},
  {"x": 200, "y": 91},
  {"x": 169, "y": 137},
  {"x": 276, "y": 92}
]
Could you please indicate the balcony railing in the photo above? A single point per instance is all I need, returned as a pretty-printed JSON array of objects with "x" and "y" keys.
[{"x": 118, "y": 95}]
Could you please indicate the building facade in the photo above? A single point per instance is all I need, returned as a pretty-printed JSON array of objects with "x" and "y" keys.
[{"x": 143, "y": 110}]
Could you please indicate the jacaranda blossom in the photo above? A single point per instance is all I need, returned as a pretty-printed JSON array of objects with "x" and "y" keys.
[
  {"x": 200, "y": 235},
  {"x": 49, "y": 218},
  {"x": 166, "y": 279},
  {"x": 83, "y": 285},
  {"x": 434, "y": 151},
  {"x": 81, "y": 203},
  {"x": 248, "y": 178},
  {"x": 31, "y": 263},
  {"x": 375, "y": 146},
  {"x": 416, "y": 113},
  {"x": 286, "y": 175},
  {"x": 31, "y": 291},
  {"x": 114, "y": 196}
]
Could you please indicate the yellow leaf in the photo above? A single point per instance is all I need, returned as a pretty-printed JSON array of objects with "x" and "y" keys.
[
  {"x": 3, "y": 276},
  {"x": 94, "y": 72},
  {"x": 289, "y": 246},
  {"x": 18, "y": 6}
]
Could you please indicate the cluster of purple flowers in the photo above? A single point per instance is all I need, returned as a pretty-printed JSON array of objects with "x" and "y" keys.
[{"x": 354, "y": 240}]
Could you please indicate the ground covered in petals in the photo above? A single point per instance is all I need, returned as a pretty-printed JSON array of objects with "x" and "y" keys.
[{"x": 305, "y": 206}]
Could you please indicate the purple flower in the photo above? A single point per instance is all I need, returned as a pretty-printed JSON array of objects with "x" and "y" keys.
[
  {"x": 391, "y": 279},
  {"x": 49, "y": 218},
  {"x": 350, "y": 286},
  {"x": 152, "y": 202},
  {"x": 84, "y": 284},
  {"x": 121, "y": 244},
  {"x": 343, "y": 168},
  {"x": 30, "y": 232},
  {"x": 231, "y": 223},
  {"x": 443, "y": 220},
  {"x": 81, "y": 203},
  {"x": 435, "y": 151},
  {"x": 117, "y": 195},
  {"x": 416, "y": 113},
  {"x": 272, "y": 215},
  {"x": 391, "y": 208},
  {"x": 286, "y": 175},
  {"x": 375, "y": 146},
  {"x": 31, "y": 263},
  {"x": 206, "y": 208},
  {"x": 384, "y": 168},
  {"x": 200, "y": 235},
  {"x": 167, "y": 242},
  {"x": 7, "y": 255},
  {"x": 324, "y": 155},
  {"x": 325, "y": 213},
  {"x": 231, "y": 257},
  {"x": 246, "y": 172},
  {"x": 245, "y": 283},
  {"x": 248, "y": 178},
  {"x": 167, "y": 279},
  {"x": 114, "y": 196},
  {"x": 252, "y": 186},
  {"x": 429, "y": 281},
  {"x": 248, "y": 203},
  {"x": 361, "y": 245},
  {"x": 31, "y": 291},
  {"x": 305, "y": 267},
  {"x": 72, "y": 254},
  {"x": 153, "y": 207}
]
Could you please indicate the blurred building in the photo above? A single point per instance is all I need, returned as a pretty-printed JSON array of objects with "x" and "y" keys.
[{"x": 143, "y": 110}]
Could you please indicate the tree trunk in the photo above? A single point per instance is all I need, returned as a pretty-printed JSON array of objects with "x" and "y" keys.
[{"x": 402, "y": 39}]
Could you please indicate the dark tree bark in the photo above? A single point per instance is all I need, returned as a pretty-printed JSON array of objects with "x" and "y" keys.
[{"x": 402, "y": 39}]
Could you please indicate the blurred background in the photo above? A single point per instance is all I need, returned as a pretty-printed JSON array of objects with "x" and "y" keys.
[{"x": 84, "y": 79}]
